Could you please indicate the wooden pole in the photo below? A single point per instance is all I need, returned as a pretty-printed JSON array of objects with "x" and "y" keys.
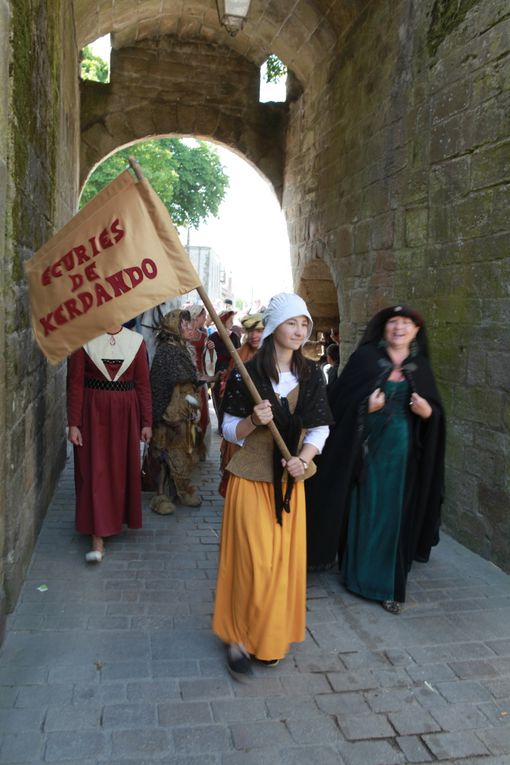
[{"x": 282, "y": 446}]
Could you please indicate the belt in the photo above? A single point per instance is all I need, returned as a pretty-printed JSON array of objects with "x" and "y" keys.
[{"x": 109, "y": 384}]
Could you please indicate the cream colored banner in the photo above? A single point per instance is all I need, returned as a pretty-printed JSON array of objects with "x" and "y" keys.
[{"x": 116, "y": 258}]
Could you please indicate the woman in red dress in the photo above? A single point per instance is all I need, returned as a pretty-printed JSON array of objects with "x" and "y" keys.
[{"x": 109, "y": 411}]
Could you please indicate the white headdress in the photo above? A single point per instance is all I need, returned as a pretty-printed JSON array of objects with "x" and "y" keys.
[{"x": 284, "y": 306}]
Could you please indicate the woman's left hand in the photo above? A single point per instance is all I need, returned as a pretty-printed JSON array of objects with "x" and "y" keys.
[
  {"x": 146, "y": 435},
  {"x": 420, "y": 406},
  {"x": 295, "y": 467}
]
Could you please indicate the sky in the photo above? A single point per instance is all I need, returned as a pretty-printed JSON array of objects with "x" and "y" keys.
[{"x": 250, "y": 233}]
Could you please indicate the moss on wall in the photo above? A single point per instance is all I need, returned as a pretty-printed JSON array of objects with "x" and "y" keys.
[
  {"x": 446, "y": 16},
  {"x": 35, "y": 70}
]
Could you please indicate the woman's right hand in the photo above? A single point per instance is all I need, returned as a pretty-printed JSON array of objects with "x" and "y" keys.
[
  {"x": 262, "y": 413},
  {"x": 376, "y": 400},
  {"x": 75, "y": 435}
]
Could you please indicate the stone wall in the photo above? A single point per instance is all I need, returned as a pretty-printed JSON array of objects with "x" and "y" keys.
[
  {"x": 167, "y": 86},
  {"x": 397, "y": 176},
  {"x": 38, "y": 187}
]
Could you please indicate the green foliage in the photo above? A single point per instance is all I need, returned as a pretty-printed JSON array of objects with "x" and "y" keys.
[
  {"x": 190, "y": 180},
  {"x": 275, "y": 69},
  {"x": 93, "y": 67}
]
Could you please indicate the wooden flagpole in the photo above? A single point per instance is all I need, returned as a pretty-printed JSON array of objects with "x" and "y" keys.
[{"x": 282, "y": 446}]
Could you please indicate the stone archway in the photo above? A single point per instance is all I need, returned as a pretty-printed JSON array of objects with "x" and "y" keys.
[
  {"x": 395, "y": 150},
  {"x": 129, "y": 108}
]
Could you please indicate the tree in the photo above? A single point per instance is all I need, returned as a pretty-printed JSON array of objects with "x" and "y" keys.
[
  {"x": 93, "y": 67},
  {"x": 190, "y": 180},
  {"x": 275, "y": 69}
]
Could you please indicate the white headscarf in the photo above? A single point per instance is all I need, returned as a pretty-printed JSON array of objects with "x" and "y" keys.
[{"x": 284, "y": 306}]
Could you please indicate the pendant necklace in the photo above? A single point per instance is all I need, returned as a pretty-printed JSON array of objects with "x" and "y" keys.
[{"x": 112, "y": 340}]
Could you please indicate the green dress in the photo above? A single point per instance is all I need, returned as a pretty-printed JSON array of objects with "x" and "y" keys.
[{"x": 373, "y": 536}]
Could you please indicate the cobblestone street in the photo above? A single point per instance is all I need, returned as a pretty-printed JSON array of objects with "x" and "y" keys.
[{"x": 117, "y": 664}]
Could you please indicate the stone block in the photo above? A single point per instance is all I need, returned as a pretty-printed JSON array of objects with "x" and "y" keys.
[
  {"x": 413, "y": 720},
  {"x": 76, "y": 745},
  {"x": 144, "y": 743},
  {"x": 370, "y": 753},
  {"x": 260, "y": 735},
  {"x": 366, "y": 726},
  {"x": 413, "y": 749},
  {"x": 201, "y": 739},
  {"x": 455, "y": 745}
]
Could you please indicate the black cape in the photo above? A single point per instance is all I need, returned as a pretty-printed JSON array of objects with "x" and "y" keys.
[
  {"x": 341, "y": 464},
  {"x": 312, "y": 409}
]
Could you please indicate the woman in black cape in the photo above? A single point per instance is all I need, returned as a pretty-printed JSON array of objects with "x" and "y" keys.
[{"x": 376, "y": 498}]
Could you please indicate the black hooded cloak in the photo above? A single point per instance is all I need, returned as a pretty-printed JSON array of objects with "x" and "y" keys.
[{"x": 340, "y": 466}]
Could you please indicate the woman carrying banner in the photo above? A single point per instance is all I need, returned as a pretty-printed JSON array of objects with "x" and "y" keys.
[
  {"x": 109, "y": 412},
  {"x": 176, "y": 411},
  {"x": 261, "y": 586}
]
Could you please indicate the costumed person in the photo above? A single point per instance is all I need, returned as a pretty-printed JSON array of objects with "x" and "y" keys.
[
  {"x": 216, "y": 344},
  {"x": 330, "y": 369},
  {"x": 175, "y": 414},
  {"x": 109, "y": 412},
  {"x": 261, "y": 586},
  {"x": 253, "y": 326},
  {"x": 198, "y": 342},
  {"x": 377, "y": 495}
]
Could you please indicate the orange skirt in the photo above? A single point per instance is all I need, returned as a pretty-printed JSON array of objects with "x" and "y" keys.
[{"x": 261, "y": 586}]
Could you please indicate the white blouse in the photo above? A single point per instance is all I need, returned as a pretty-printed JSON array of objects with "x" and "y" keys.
[{"x": 288, "y": 381}]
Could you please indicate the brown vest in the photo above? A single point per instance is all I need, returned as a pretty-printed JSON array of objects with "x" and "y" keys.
[{"x": 255, "y": 460}]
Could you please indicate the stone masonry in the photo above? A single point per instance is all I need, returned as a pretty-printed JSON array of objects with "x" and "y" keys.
[{"x": 391, "y": 157}]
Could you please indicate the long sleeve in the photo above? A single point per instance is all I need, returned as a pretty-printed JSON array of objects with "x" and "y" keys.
[
  {"x": 143, "y": 386},
  {"x": 75, "y": 388}
]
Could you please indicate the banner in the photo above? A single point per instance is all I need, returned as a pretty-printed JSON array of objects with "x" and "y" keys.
[{"x": 119, "y": 256}]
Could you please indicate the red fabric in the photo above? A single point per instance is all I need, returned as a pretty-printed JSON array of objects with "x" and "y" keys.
[{"x": 107, "y": 466}]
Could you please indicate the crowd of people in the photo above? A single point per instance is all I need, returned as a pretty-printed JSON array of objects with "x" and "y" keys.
[{"x": 370, "y": 438}]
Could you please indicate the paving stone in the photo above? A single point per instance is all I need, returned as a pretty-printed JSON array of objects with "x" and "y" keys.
[
  {"x": 360, "y": 680},
  {"x": 8, "y": 695},
  {"x": 15, "y": 720},
  {"x": 153, "y": 690},
  {"x": 260, "y": 735},
  {"x": 366, "y": 726},
  {"x": 463, "y": 691},
  {"x": 104, "y": 693},
  {"x": 433, "y": 673},
  {"x": 206, "y": 689},
  {"x": 456, "y": 717},
  {"x": 125, "y": 670},
  {"x": 413, "y": 720},
  {"x": 21, "y": 747},
  {"x": 342, "y": 703},
  {"x": 392, "y": 700},
  {"x": 451, "y": 745},
  {"x": 184, "y": 713},
  {"x": 67, "y": 745},
  {"x": 239, "y": 710},
  {"x": 323, "y": 661},
  {"x": 71, "y": 717},
  {"x": 41, "y": 695},
  {"x": 318, "y": 755},
  {"x": 496, "y": 740},
  {"x": 413, "y": 749},
  {"x": 198, "y": 739},
  {"x": 289, "y": 708},
  {"x": 321, "y": 730},
  {"x": 307, "y": 683},
  {"x": 129, "y": 716},
  {"x": 370, "y": 753},
  {"x": 473, "y": 669},
  {"x": 144, "y": 742}
]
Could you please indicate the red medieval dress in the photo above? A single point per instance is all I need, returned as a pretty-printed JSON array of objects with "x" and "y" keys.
[{"x": 109, "y": 399}]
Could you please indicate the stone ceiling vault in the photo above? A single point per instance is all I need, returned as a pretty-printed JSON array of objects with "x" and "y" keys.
[{"x": 302, "y": 33}]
